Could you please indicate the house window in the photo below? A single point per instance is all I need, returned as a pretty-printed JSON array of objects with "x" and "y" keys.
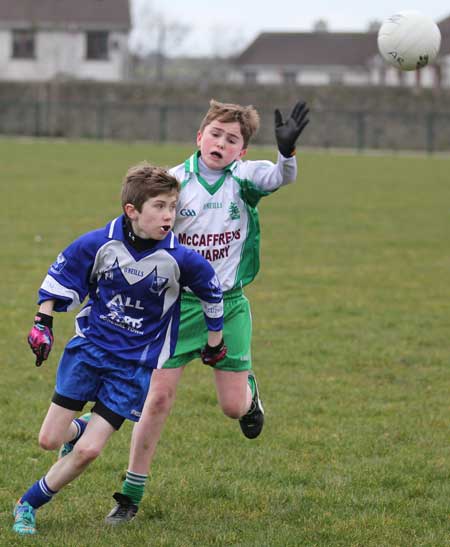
[
  {"x": 23, "y": 44},
  {"x": 290, "y": 78},
  {"x": 97, "y": 45},
  {"x": 250, "y": 77}
]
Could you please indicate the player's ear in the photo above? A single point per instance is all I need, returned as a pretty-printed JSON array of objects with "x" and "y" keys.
[
  {"x": 242, "y": 153},
  {"x": 199, "y": 137},
  {"x": 130, "y": 211}
]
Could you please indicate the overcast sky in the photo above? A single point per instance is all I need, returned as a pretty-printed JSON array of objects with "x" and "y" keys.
[{"x": 229, "y": 26}]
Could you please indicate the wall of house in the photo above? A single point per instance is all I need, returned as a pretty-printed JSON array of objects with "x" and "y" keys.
[
  {"x": 349, "y": 117},
  {"x": 59, "y": 54},
  {"x": 326, "y": 75}
]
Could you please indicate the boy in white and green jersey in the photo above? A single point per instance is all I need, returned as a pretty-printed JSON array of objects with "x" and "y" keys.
[{"x": 217, "y": 216}]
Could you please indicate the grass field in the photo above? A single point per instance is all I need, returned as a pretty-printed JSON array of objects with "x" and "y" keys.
[{"x": 351, "y": 347}]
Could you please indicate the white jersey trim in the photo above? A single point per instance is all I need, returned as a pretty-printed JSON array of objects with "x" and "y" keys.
[
  {"x": 111, "y": 228},
  {"x": 53, "y": 287},
  {"x": 165, "y": 350}
]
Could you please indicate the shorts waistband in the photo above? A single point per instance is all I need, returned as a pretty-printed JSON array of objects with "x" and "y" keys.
[{"x": 233, "y": 293}]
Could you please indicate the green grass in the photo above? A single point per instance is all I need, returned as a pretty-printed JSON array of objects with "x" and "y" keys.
[{"x": 351, "y": 348}]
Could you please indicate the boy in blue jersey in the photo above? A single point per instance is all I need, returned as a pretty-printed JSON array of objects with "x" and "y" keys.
[
  {"x": 217, "y": 216},
  {"x": 132, "y": 271}
]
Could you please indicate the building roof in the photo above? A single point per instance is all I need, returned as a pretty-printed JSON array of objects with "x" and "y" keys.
[
  {"x": 320, "y": 48},
  {"x": 444, "y": 27},
  {"x": 310, "y": 48},
  {"x": 84, "y": 14}
]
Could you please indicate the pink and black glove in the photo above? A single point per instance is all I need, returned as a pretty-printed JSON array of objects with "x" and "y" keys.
[
  {"x": 40, "y": 337},
  {"x": 213, "y": 354}
]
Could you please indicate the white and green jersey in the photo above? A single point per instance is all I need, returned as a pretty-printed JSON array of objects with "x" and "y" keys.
[{"x": 220, "y": 220}]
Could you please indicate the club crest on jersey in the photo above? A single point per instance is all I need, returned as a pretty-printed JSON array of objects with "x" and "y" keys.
[
  {"x": 59, "y": 264},
  {"x": 157, "y": 282},
  {"x": 233, "y": 211}
]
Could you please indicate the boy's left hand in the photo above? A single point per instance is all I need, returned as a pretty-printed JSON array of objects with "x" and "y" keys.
[
  {"x": 287, "y": 132},
  {"x": 40, "y": 337},
  {"x": 213, "y": 354}
]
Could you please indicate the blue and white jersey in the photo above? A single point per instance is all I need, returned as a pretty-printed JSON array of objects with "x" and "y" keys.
[{"x": 133, "y": 309}]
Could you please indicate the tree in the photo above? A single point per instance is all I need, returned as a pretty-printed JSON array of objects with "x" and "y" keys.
[
  {"x": 374, "y": 25},
  {"x": 321, "y": 25},
  {"x": 154, "y": 34}
]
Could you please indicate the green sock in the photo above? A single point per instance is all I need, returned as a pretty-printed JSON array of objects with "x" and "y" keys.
[
  {"x": 251, "y": 383},
  {"x": 133, "y": 486}
]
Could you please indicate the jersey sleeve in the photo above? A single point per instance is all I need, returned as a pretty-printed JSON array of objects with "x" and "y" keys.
[
  {"x": 198, "y": 274},
  {"x": 261, "y": 178},
  {"x": 68, "y": 278}
]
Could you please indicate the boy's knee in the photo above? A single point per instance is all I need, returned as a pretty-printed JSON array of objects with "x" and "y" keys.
[
  {"x": 86, "y": 453},
  {"x": 233, "y": 410},
  {"x": 49, "y": 442},
  {"x": 161, "y": 401}
]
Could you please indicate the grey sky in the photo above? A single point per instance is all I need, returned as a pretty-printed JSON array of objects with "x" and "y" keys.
[{"x": 228, "y": 26}]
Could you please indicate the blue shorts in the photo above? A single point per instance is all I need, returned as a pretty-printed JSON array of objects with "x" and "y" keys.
[{"x": 89, "y": 373}]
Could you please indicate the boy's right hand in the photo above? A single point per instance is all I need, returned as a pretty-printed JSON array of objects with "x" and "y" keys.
[
  {"x": 287, "y": 132},
  {"x": 40, "y": 337},
  {"x": 213, "y": 354}
]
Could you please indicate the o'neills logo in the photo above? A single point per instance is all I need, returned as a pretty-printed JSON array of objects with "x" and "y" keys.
[{"x": 215, "y": 246}]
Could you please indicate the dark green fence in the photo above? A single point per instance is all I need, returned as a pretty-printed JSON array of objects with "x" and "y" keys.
[{"x": 423, "y": 131}]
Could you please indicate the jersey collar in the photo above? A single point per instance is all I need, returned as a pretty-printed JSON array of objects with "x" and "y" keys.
[
  {"x": 191, "y": 167},
  {"x": 191, "y": 164},
  {"x": 114, "y": 230}
]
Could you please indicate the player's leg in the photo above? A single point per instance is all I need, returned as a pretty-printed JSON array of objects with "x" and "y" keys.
[
  {"x": 76, "y": 383},
  {"x": 61, "y": 428},
  {"x": 233, "y": 392},
  {"x": 238, "y": 397},
  {"x": 86, "y": 450},
  {"x": 56, "y": 427},
  {"x": 253, "y": 421},
  {"x": 144, "y": 440},
  {"x": 62, "y": 472},
  {"x": 78, "y": 377},
  {"x": 76, "y": 429},
  {"x": 157, "y": 407},
  {"x": 236, "y": 386},
  {"x": 159, "y": 401},
  {"x": 53, "y": 430}
]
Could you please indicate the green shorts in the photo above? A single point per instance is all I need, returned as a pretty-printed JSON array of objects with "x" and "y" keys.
[{"x": 193, "y": 334}]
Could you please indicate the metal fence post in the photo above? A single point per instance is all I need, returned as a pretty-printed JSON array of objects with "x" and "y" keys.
[
  {"x": 162, "y": 123},
  {"x": 361, "y": 130},
  {"x": 37, "y": 119},
  {"x": 430, "y": 132},
  {"x": 100, "y": 111}
]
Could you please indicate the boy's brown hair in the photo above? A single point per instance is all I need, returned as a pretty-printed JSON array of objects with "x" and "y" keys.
[
  {"x": 144, "y": 181},
  {"x": 246, "y": 116}
]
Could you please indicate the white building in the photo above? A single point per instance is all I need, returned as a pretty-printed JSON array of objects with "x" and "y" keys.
[{"x": 45, "y": 39}]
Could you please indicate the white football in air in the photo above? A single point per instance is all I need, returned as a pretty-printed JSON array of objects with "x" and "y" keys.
[{"x": 409, "y": 40}]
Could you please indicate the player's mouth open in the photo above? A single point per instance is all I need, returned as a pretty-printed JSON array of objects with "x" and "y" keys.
[
  {"x": 165, "y": 228},
  {"x": 216, "y": 154}
]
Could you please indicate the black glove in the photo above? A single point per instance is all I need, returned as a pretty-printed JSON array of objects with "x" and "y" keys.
[
  {"x": 213, "y": 354},
  {"x": 287, "y": 132},
  {"x": 40, "y": 337}
]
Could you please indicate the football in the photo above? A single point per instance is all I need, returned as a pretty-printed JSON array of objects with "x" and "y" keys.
[{"x": 409, "y": 40}]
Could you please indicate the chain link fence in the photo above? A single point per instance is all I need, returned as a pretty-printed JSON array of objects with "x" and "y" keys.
[{"x": 359, "y": 130}]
